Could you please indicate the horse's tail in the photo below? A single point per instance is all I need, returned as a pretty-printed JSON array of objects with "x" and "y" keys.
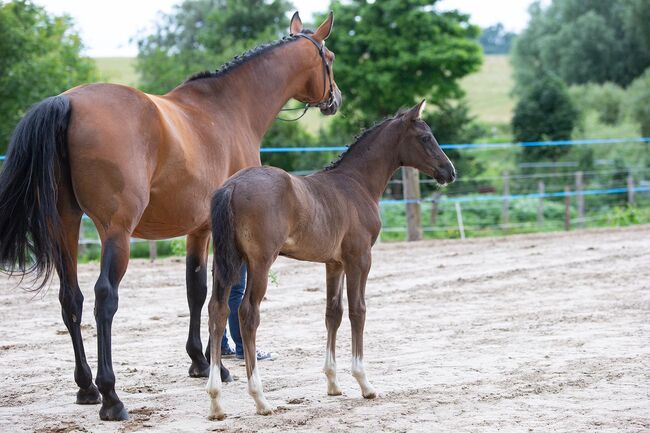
[
  {"x": 30, "y": 227},
  {"x": 227, "y": 257}
]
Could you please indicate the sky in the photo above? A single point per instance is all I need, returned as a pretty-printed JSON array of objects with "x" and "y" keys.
[{"x": 106, "y": 27}]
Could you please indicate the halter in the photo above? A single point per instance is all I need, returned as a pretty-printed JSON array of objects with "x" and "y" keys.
[{"x": 327, "y": 75}]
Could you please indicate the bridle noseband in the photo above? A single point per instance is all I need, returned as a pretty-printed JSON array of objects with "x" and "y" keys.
[{"x": 327, "y": 75}]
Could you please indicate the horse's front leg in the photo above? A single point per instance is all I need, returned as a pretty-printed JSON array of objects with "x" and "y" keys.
[
  {"x": 115, "y": 258},
  {"x": 356, "y": 273},
  {"x": 333, "y": 316},
  {"x": 196, "y": 281}
]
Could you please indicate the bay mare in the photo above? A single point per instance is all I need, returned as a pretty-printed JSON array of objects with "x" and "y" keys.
[
  {"x": 330, "y": 217},
  {"x": 144, "y": 166}
]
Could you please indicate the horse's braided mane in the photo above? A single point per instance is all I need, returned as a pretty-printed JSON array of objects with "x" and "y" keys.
[
  {"x": 244, "y": 58},
  {"x": 361, "y": 137}
]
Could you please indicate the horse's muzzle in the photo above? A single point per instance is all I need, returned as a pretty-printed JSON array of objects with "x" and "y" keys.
[{"x": 332, "y": 105}]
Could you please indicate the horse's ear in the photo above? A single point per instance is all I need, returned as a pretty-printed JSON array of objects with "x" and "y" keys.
[
  {"x": 325, "y": 29},
  {"x": 296, "y": 24},
  {"x": 416, "y": 112}
]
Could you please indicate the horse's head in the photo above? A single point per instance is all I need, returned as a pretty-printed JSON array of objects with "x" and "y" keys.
[
  {"x": 320, "y": 89},
  {"x": 419, "y": 148}
]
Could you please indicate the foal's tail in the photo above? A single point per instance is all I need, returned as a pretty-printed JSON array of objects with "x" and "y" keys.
[
  {"x": 30, "y": 227},
  {"x": 227, "y": 257}
]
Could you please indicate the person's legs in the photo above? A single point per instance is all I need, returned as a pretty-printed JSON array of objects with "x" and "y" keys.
[{"x": 236, "y": 295}]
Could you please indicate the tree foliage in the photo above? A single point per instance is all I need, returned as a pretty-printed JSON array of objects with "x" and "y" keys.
[
  {"x": 544, "y": 112},
  {"x": 585, "y": 41},
  {"x": 389, "y": 53},
  {"x": 40, "y": 56},
  {"x": 496, "y": 40},
  {"x": 202, "y": 34},
  {"x": 639, "y": 92}
]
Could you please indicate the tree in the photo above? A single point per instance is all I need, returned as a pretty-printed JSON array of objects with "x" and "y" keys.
[
  {"x": 544, "y": 112},
  {"x": 40, "y": 56},
  {"x": 639, "y": 94},
  {"x": 390, "y": 53},
  {"x": 202, "y": 34},
  {"x": 496, "y": 40},
  {"x": 585, "y": 41}
]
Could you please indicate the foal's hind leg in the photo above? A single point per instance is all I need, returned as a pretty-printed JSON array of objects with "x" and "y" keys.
[
  {"x": 218, "y": 316},
  {"x": 71, "y": 300},
  {"x": 196, "y": 281},
  {"x": 333, "y": 316},
  {"x": 356, "y": 273},
  {"x": 249, "y": 319}
]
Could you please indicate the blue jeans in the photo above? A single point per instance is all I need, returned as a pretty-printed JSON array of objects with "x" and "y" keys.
[{"x": 234, "y": 301}]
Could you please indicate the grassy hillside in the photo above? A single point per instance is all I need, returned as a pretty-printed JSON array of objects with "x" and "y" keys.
[
  {"x": 488, "y": 90},
  {"x": 120, "y": 70}
]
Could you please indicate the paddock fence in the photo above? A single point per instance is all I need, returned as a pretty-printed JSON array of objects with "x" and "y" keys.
[{"x": 540, "y": 196}]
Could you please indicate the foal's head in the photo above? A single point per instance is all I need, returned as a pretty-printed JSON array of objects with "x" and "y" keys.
[
  {"x": 320, "y": 89},
  {"x": 419, "y": 148}
]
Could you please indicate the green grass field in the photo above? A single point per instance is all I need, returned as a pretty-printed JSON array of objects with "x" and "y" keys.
[
  {"x": 488, "y": 90},
  {"x": 120, "y": 70}
]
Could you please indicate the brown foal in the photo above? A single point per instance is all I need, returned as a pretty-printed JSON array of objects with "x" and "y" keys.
[
  {"x": 144, "y": 166},
  {"x": 330, "y": 217}
]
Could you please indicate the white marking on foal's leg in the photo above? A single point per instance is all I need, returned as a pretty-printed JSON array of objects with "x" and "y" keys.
[
  {"x": 214, "y": 391},
  {"x": 359, "y": 373},
  {"x": 330, "y": 371},
  {"x": 255, "y": 391}
]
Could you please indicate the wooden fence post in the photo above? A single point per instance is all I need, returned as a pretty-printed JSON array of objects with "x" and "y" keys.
[
  {"x": 567, "y": 208},
  {"x": 631, "y": 199},
  {"x": 153, "y": 250},
  {"x": 540, "y": 205},
  {"x": 505, "y": 212},
  {"x": 580, "y": 199},
  {"x": 82, "y": 240},
  {"x": 411, "y": 183}
]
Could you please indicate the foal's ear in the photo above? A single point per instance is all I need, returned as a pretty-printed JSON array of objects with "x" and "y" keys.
[
  {"x": 324, "y": 30},
  {"x": 416, "y": 112},
  {"x": 296, "y": 24}
]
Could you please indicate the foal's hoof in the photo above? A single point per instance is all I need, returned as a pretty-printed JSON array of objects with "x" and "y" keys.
[
  {"x": 89, "y": 395},
  {"x": 199, "y": 369},
  {"x": 369, "y": 394},
  {"x": 117, "y": 412},
  {"x": 264, "y": 411}
]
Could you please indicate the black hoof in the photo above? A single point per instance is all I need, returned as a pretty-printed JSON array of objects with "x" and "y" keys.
[
  {"x": 117, "y": 412},
  {"x": 226, "y": 377},
  {"x": 89, "y": 395},
  {"x": 199, "y": 369}
]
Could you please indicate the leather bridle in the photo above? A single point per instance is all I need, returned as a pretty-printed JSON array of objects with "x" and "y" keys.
[{"x": 327, "y": 75}]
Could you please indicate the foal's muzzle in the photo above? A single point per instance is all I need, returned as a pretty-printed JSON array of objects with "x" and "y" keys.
[
  {"x": 445, "y": 175},
  {"x": 332, "y": 105}
]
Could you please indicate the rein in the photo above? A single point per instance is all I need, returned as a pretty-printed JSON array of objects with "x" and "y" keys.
[{"x": 327, "y": 75}]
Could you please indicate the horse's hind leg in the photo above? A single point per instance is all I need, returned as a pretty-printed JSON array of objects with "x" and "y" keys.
[
  {"x": 356, "y": 274},
  {"x": 249, "y": 319},
  {"x": 72, "y": 300},
  {"x": 333, "y": 316},
  {"x": 115, "y": 258},
  {"x": 196, "y": 280}
]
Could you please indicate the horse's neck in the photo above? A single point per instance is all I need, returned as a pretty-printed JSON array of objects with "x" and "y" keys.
[
  {"x": 373, "y": 161},
  {"x": 255, "y": 90}
]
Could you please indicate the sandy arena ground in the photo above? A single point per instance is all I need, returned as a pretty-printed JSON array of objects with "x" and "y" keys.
[{"x": 526, "y": 333}]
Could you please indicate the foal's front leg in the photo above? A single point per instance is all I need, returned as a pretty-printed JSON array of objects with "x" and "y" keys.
[
  {"x": 333, "y": 316},
  {"x": 356, "y": 273}
]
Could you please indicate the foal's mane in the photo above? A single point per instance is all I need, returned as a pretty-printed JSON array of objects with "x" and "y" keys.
[
  {"x": 245, "y": 58},
  {"x": 361, "y": 137}
]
